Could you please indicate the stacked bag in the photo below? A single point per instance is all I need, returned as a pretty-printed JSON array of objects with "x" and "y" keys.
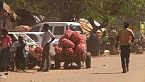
[
  {"x": 71, "y": 44},
  {"x": 38, "y": 50}
]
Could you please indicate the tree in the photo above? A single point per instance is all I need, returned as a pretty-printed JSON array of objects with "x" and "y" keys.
[{"x": 105, "y": 11}]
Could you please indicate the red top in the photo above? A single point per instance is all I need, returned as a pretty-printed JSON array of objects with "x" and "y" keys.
[{"x": 6, "y": 42}]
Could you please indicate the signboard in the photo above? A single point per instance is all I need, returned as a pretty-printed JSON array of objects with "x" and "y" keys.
[{"x": 142, "y": 27}]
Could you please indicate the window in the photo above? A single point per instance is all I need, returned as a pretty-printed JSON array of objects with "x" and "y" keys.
[
  {"x": 75, "y": 28},
  {"x": 47, "y": 25},
  {"x": 50, "y": 28},
  {"x": 36, "y": 29},
  {"x": 33, "y": 37},
  {"x": 26, "y": 38},
  {"x": 59, "y": 30}
]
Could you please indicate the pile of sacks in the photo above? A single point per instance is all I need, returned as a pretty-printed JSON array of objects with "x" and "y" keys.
[
  {"x": 38, "y": 50},
  {"x": 71, "y": 44}
]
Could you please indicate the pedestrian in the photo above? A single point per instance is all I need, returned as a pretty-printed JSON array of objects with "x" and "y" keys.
[
  {"x": 48, "y": 37},
  {"x": 112, "y": 40},
  {"x": 5, "y": 52},
  {"x": 99, "y": 41},
  {"x": 126, "y": 38},
  {"x": 21, "y": 52},
  {"x": 104, "y": 43}
]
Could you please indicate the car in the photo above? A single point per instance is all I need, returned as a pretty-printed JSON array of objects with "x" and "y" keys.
[{"x": 58, "y": 28}]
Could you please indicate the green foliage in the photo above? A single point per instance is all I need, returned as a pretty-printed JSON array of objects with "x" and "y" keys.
[{"x": 101, "y": 10}]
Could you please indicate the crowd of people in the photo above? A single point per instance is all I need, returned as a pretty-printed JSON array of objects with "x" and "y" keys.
[
  {"x": 20, "y": 49},
  {"x": 104, "y": 40},
  {"x": 18, "y": 52},
  {"x": 101, "y": 40}
]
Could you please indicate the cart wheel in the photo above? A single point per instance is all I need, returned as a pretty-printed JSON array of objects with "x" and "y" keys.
[
  {"x": 88, "y": 60},
  {"x": 32, "y": 62},
  {"x": 39, "y": 63},
  {"x": 66, "y": 63},
  {"x": 57, "y": 62},
  {"x": 78, "y": 64}
]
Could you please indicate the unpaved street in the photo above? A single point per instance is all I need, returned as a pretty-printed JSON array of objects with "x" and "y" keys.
[{"x": 104, "y": 69}]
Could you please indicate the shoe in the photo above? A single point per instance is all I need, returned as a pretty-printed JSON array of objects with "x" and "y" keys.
[
  {"x": 6, "y": 73},
  {"x": 124, "y": 71},
  {"x": 45, "y": 70},
  {"x": 3, "y": 77},
  {"x": 127, "y": 69},
  {"x": 39, "y": 70}
]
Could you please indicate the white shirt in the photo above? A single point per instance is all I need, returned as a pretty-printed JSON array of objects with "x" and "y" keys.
[{"x": 47, "y": 36}]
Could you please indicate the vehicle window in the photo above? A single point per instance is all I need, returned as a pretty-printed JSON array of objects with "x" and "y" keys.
[
  {"x": 33, "y": 37},
  {"x": 75, "y": 28},
  {"x": 36, "y": 29},
  {"x": 26, "y": 38},
  {"x": 59, "y": 30},
  {"x": 50, "y": 28}
]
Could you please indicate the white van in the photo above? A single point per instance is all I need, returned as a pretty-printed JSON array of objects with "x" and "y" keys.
[{"x": 58, "y": 28}]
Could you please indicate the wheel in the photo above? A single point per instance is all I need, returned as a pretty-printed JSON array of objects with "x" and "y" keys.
[
  {"x": 39, "y": 63},
  {"x": 57, "y": 62},
  {"x": 66, "y": 63},
  {"x": 88, "y": 60},
  {"x": 78, "y": 64},
  {"x": 32, "y": 62}
]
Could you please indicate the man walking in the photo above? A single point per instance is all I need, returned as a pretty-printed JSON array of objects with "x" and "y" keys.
[{"x": 125, "y": 37}]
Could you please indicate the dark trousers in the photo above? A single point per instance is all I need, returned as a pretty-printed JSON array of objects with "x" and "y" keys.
[
  {"x": 125, "y": 55},
  {"x": 20, "y": 62},
  {"x": 45, "y": 58},
  {"x": 5, "y": 57},
  {"x": 45, "y": 63},
  {"x": 112, "y": 42}
]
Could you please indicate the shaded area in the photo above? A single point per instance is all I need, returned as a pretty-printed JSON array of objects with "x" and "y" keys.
[{"x": 108, "y": 73}]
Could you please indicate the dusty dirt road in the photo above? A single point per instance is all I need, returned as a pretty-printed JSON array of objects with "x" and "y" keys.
[{"x": 104, "y": 69}]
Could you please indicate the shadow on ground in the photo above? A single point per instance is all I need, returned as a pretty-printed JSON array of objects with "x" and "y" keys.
[{"x": 108, "y": 73}]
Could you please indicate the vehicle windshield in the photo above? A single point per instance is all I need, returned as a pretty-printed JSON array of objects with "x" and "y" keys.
[
  {"x": 26, "y": 38},
  {"x": 76, "y": 28}
]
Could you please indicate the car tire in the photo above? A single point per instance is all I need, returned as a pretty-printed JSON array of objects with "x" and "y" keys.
[{"x": 88, "y": 60}]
